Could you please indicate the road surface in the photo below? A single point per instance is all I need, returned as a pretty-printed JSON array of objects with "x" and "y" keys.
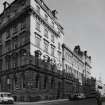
[
  {"x": 60, "y": 102},
  {"x": 103, "y": 103}
]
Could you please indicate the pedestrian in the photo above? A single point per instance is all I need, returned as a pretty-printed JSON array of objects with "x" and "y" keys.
[{"x": 98, "y": 98}]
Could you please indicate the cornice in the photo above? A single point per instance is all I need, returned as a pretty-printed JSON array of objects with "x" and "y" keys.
[
  {"x": 43, "y": 21},
  {"x": 49, "y": 12}
]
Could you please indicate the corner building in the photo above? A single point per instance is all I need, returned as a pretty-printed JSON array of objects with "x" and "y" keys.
[{"x": 30, "y": 37}]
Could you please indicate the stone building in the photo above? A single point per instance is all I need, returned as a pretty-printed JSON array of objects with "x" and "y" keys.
[
  {"x": 33, "y": 63},
  {"x": 30, "y": 51},
  {"x": 78, "y": 64}
]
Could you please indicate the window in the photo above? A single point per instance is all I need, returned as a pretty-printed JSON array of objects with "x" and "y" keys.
[
  {"x": 15, "y": 29},
  {"x": 38, "y": 25},
  {"x": 45, "y": 82},
  {"x": 7, "y": 34},
  {"x": 66, "y": 67},
  {"x": 38, "y": 9},
  {"x": 8, "y": 45},
  {"x": 52, "y": 38},
  {"x": 46, "y": 44},
  {"x": 1, "y": 38},
  {"x": 52, "y": 82},
  {"x": 59, "y": 46},
  {"x": 52, "y": 50},
  {"x": 23, "y": 24},
  {"x": 8, "y": 62},
  {"x": 46, "y": 33},
  {"x": 37, "y": 80},
  {"x": 0, "y": 64},
  {"x": 37, "y": 41},
  {"x": 0, "y": 50},
  {"x": 15, "y": 61},
  {"x": 59, "y": 55},
  {"x": 52, "y": 24},
  {"x": 23, "y": 39},
  {"x": 46, "y": 17},
  {"x": 15, "y": 43},
  {"x": 58, "y": 31}
]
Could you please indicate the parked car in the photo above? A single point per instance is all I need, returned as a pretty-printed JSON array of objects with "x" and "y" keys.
[
  {"x": 77, "y": 96},
  {"x": 73, "y": 97},
  {"x": 81, "y": 96},
  {"x": 6, "y": 97},
  {"x": 92, "y": 94}
]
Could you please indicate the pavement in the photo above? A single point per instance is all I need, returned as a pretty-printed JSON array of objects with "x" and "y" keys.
[
  {"x": 42, "y": 102},
  {"x": 61, "y": 102},
  {"x": 103, "y": 103}
]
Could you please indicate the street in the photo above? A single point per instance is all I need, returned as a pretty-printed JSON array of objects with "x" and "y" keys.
[
  {"x": 103, "y": 103},
  {"x": 60, "y": 102}
]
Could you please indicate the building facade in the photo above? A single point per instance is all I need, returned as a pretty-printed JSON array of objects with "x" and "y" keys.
[
  {"x": 75, "y": 63},
  {"x": 30, "y": 51},
  {"x": 34, "y": 63}
]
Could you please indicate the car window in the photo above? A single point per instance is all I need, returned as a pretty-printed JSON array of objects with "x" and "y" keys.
[{"x": 9, "y": 95}]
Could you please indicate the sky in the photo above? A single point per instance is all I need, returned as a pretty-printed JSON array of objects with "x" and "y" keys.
[{"x": 84, "y": 25}]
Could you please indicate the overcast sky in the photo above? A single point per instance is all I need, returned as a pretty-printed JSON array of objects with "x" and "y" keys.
[{"x": 84, "y": 24}]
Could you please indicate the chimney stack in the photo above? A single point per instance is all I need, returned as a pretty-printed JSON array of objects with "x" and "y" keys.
[{"x": 6, "y": 4}]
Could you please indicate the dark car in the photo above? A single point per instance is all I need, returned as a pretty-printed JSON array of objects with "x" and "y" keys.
[
  {"x": 92, "y": 94},
  {"x": 77, "y": 96},
  {"x": 73, "y": 97}
]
